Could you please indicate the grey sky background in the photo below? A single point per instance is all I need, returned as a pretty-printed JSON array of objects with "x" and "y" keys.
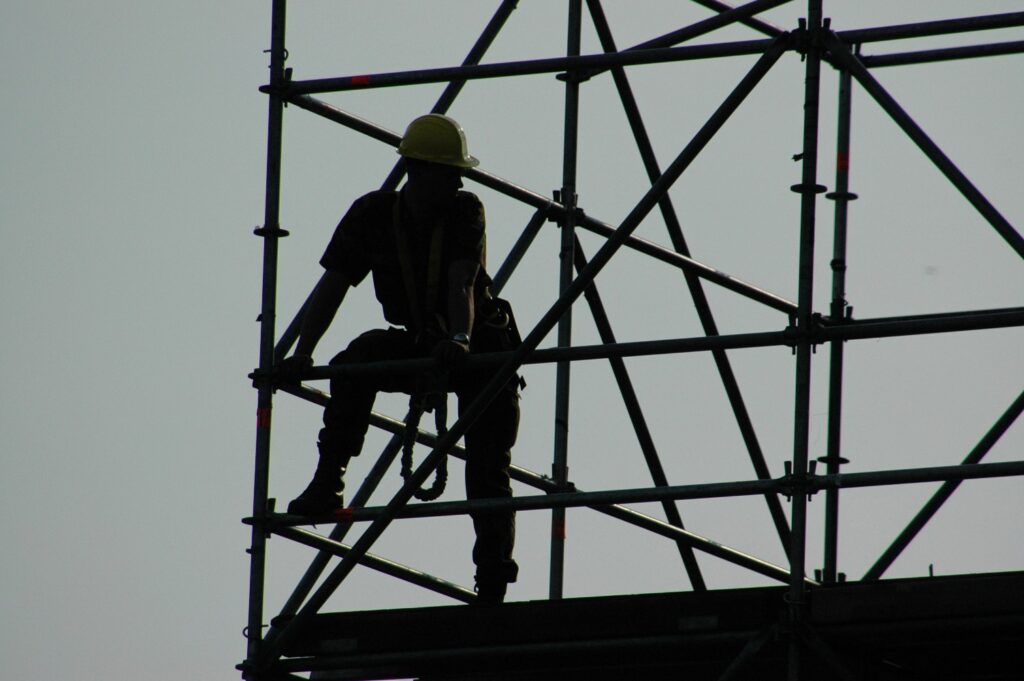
[{"x": 134, "y": 146}]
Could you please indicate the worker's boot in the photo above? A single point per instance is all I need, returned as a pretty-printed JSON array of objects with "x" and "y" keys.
[
  {"x": 325, "y": 492},
  {"x": 490, "y": 591}
]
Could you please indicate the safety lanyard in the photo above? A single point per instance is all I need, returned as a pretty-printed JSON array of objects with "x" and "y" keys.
[{"x": 409, "y": 272}]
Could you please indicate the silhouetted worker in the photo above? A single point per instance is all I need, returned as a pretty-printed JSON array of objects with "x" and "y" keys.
[{"x": 425, "y": 246}]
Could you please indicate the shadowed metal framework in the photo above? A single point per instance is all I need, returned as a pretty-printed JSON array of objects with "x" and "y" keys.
[{"x": 795, "y": 638}]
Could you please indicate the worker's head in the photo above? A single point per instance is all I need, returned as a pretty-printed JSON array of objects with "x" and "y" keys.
[{"x": 434, "y": 147}]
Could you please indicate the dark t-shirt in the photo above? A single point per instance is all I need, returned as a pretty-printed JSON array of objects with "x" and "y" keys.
[{"x": 364, "y": 242}]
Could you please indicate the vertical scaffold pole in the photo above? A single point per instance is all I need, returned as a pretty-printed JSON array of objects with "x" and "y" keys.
[
  {"x": 808, "y": 190},
  {"x": 560, "y": 468},
  {"x": 270, "y": 232},
  {"x": 842, "y": 196}
]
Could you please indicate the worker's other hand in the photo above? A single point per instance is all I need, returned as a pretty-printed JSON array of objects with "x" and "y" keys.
[
  {"x": 450, "y": 354},
  {"x": 290, "y": 369}
]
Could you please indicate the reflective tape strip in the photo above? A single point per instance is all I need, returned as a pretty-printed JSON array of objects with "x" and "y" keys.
[{"x": 360, "y": 80}]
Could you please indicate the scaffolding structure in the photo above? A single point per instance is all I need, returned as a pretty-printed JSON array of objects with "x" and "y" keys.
[{"x": 800, "y": 628}]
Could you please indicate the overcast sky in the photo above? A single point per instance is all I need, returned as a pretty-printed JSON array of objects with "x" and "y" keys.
[{"x": 134, "y": 146}]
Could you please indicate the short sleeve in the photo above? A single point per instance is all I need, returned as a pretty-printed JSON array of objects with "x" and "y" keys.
[{"x": 349, "y": 249}]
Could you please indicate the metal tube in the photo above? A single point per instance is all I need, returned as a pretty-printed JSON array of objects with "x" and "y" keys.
[
  {"x": 923, "y": 29},
  {"x": 788, "y": 484},
  {"x": 939, "y": 498},
  {"x": 636, "y": 417},
  {"x": 909, "y": 476},
  {"x": 577, "y": 353},
  {"x": 700, "y": 300},
  {"x": 848, "y": 61},
  {"x": 850, "y": 330},
  {"x": 553, "y": 209},
  {"x": 690, "y": 266},
  {"x": 838, "y": 309},
  {"x": 519, "y": 68},
  {"x": 807, "y": 189},
  {"x": 270, "y": 233},
  {"x": 505, "y": 373},
  {"x": 946, "y": 54},
  {"x": 559, "y": 464},
  {"x": 515, "y": 255},
  {"x": 388, "y": 567},
  {"x": 884, "y": 327}
]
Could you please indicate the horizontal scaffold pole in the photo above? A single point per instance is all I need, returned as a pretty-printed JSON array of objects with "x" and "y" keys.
[
  {"x": 883, "y": 327},
  {"x": 944, "y": 54},
  {"x": 924, "y": 29},
  {"x": 519, "y": 68},
  {"x": 714, "y": 490},
  {"x": 577, "y": 353},
  {"x": 947, "y": 322}
]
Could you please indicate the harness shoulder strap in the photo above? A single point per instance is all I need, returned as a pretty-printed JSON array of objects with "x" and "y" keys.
[{"x": 409, "y": 272}]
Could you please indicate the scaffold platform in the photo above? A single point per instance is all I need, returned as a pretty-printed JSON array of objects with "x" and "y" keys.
[{"x": 968, "y": 628}]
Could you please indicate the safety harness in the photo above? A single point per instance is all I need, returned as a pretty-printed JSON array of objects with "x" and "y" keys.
[{"x": 434, "y": 395}]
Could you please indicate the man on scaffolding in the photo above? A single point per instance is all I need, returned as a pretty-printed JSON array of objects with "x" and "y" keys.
[{"x": 426, "y": 248}]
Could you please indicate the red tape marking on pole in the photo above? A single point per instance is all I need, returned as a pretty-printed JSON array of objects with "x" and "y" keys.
[
  {"x": 842, "y": 162},
  {"x": 263, "y": 417},
  {"x": 558, "y": 530},
  {"x": 360, "y": 80}
]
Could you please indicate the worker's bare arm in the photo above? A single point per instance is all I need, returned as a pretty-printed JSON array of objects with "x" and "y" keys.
[
  {"x": 461, "y": 277},
  {"x": 323, "y": 305}
]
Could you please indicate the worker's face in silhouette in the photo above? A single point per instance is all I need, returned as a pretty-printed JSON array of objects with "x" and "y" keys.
[{"x": 432, "y": 186}]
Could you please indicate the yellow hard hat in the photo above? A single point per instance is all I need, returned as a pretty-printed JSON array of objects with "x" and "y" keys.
[{"x": 438, "y": 139}]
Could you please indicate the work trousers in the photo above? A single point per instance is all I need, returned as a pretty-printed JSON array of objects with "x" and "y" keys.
[{"x": 488, "y": 441}]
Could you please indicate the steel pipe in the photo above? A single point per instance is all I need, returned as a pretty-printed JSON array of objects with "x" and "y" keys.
[
  {"x": 270, "y": 232},
  {"x": 945, "y": 54},
  {"x": 838, "y": 310},
  {"x": 518, "y": 68},
  {"x": 924, "y": 29},
  {"x": 387, "y": 567},
  {"x": 788, "y": 484}
]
